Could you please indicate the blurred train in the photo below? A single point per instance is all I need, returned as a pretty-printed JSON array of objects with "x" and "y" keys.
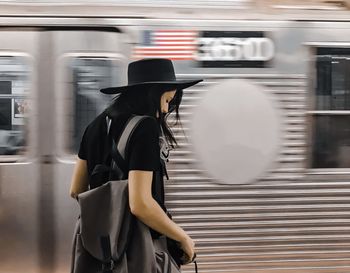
[{"x": 55, "y": 57}]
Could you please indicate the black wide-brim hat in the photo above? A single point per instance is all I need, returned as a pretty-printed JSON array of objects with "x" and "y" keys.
[{"x": 155, "y": 72}]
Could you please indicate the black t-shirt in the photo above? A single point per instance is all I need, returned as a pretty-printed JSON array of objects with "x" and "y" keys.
[{"x": 143, "y": 151}]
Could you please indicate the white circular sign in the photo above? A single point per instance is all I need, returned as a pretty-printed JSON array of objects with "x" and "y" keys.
[{"x": 235, "y": 131}]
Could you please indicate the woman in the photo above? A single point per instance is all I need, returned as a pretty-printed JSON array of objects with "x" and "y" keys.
[{"x": 152, "y": 90}]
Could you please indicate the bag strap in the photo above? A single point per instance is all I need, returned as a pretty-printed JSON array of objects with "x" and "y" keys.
[
  {"x": 125, "y": 137},
  {"x": 118, "y": 154},
  {"x": 108, "y": 264},
  {"x": 119, "y": 149}
]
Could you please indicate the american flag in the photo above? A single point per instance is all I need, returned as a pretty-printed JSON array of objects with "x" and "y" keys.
[{"x": 170, "y": 44}]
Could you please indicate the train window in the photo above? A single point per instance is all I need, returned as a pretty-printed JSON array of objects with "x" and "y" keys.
[
  {"x": 89, "y": 75},
  {"x": 331, "y": 113},
  {"x": 14, "y": 105}
]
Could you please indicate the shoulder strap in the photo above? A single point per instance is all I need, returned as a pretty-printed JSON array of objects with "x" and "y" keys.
[
  {"x": 124, "y": 139},
  {"x": 119, "y": 148}
]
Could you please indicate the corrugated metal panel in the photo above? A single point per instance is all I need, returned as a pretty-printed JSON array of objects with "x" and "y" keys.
[{"x": 283, "y": 222}]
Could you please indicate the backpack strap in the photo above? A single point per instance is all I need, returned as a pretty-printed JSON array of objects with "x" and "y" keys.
[
  {"x": 108, "y": 263},
  {"x": 118, "y": 154},
  {"x": 126, "y": 135},
  {"x": 119, "y": 150}
]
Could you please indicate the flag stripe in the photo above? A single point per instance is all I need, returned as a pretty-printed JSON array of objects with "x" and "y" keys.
[
  {"x": 174, "y": 38},
  {"x": 150, "y": 48},
  {"x": 157, "y": 35},
  {"x": 168, "y": 57},
  {"x": 164, "y": 52},
  {"x": 174, "y": 30},
  {"x": 175, "y": 43},
  {"x": 188, "y": 35}
]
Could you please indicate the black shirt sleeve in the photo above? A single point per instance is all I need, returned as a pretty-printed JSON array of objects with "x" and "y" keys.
[
  {"x": 82, "y": 153},
  {"x": 144, "y": 152}
]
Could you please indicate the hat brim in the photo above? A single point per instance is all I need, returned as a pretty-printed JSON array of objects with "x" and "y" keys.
[{"x": 180, "y": 84}]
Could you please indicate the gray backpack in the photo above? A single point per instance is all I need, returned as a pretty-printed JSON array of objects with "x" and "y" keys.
[{"x": 107, "y": 237}]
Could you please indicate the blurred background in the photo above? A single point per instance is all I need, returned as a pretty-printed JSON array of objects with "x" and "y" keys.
[{"x": 261, "y": 180}]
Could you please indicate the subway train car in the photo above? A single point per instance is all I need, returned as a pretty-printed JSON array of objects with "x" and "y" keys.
[{"x": 293, "y": 217}]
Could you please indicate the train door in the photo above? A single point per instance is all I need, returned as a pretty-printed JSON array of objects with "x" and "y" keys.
[
  {"x": 83, "y": 61},
  {"x": 19, "y": 162}
]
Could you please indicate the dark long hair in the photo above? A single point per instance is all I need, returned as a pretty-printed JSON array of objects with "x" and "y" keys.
[{"x": 146, "y": 101}]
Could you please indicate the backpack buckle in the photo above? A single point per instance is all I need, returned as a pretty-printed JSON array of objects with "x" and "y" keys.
[{"x": 108, "y": 266}]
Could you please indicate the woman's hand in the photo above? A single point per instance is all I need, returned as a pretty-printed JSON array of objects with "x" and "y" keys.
[
  {"x": 187, "y": 245},
  {"x": 145, "y": 208}
]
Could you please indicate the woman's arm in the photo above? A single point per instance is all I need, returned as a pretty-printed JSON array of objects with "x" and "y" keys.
[
  {"x": 144, "y": 207},
  {"x": 80, "y": 178}
]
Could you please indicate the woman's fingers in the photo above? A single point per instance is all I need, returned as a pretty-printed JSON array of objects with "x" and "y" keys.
[{"x": 189, "y": 251}]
